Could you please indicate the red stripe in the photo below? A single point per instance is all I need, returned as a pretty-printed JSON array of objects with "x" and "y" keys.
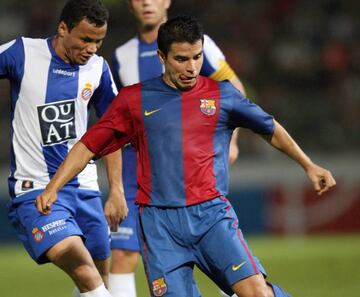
[
  {"x": 198, "y": 130},
  {"x": 241, "y": 238},
  {"x": 143, "y": 169},
  {"x": 247, "y": 252}
]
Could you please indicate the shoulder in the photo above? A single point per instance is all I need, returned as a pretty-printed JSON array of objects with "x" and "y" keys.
[
  {"x": 11, "y": 44},
  {"x": 127, "y": 47},
  {"x": 211, "y": 48},
  {"x": 98, "y": 63},
  {"x": 228, "y": 90},
  {"x": 133, "y": 89}
]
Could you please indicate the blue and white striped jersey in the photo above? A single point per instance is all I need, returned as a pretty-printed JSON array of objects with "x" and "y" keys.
[
  {"x": 136, "y": 61},
  {"x": 50, "y": 103}
]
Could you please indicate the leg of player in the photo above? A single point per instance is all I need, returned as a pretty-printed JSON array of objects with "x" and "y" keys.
[
  {"x": 92, "y": 222},
  {"x": 103, "y": 268},
  {"x": 125, "y": 250},
  {"x": 122, "y": 273},
  {"x": 256, "y": 286},
  {"x": 71, "y": 256},
  {"x": 252, "y": 286}
]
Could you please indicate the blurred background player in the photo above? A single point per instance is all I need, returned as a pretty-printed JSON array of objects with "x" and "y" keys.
[
  {"x": 54, "y": 82},
  {"x": 133, "y": 62}
]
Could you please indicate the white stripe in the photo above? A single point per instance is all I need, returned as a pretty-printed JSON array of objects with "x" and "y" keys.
[{"x": 127, "y": 56}]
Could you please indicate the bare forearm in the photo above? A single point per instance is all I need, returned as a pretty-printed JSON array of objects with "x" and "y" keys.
[
  {"x": 113, "y": 164},
  {"x": 285, "y": 143},
  {"x": 73, "y": 164}
]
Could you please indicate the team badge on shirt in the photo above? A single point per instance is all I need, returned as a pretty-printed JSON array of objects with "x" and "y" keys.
[
  {"x": 207, "y": 106},
  {"x": 86, "y": 92},
  {"x": 38, "y": 234},
  {"x": 159, "y": 287}
]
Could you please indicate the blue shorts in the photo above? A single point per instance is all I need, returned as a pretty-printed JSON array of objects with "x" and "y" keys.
[
  {"x": 173, "y": 240},
  {"x": 126, "y": 238},
  {"x": 75, "y": 212}
]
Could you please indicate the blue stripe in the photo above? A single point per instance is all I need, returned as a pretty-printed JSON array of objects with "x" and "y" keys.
[
  {"x": 129, "y": 172},
  {"x": 164, "y": 130},
  {"x": 59, "y": 88},
  {"x": 12, "y": 60},
  {"x": 116, "y": 69},
  {"x": 149, "y": 62},
  {"x": 104, "y": 94},
  {"x": 221, "y": 146}
]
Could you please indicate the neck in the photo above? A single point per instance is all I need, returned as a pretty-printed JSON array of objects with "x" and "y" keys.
[
  {"x": 58, "y": 48},
  {"x": 149, "y": 36},
  {"x": 149, "y": 33}
]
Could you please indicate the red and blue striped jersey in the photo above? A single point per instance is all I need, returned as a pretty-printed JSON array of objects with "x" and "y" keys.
[{"x": 181, "y": 138}]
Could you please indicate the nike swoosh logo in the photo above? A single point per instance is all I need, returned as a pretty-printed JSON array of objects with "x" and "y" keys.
[
  {"x": 147, "y": 113},
  {"x": 237, "y": 267}
]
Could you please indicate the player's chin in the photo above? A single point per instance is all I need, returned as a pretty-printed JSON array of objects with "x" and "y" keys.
[
  {"x": 187, "y": 84},
  {"x": 82, "y": 60}
]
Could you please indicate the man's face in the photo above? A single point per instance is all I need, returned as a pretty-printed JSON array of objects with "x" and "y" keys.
[
  {"x": 149, "y": 13},
  {"x": 182, "y": 64},
  {"x": 83, "y": 41}
]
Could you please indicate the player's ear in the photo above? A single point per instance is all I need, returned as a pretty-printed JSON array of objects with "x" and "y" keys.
[
  {"x": 167, "y": 4},
  {"x": 62, "y": 29},
  {"x": 130, "y": 7},
  {"x": 162, "y": 56}
]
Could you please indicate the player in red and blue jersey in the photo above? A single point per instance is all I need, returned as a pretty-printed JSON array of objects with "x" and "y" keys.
[
  {"x": 134, "y": 61},
  {"x": 180, "y": 125}
]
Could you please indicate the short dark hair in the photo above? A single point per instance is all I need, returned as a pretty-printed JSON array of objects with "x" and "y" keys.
[
  {"x": 75, "y": 11},
  {"x": 179, "y": 29}
]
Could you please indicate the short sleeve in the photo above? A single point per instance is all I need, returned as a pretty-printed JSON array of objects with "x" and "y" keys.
[
  {"x": 105, "y": 92},
  {"x": 245, "y": 113},
  {"x": 12, "y": 59},
  {"x": 113, "y": 130}
]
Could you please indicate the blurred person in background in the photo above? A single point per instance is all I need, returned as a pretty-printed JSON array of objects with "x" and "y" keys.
[
  {"x": 54, "y": 82},
  {"x": 184, "y": 217},
  {"x": 133, "y": 62}
]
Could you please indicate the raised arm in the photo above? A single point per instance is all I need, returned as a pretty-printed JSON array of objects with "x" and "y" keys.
[
  {"x": 74, "y": 163},
  {"x": 321, "y": 178}
]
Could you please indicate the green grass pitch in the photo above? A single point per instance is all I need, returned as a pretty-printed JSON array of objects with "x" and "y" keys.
[{"x": 316, "y": 266}]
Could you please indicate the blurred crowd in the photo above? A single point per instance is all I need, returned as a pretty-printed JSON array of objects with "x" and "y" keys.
[{"x": 300, "y": 60}]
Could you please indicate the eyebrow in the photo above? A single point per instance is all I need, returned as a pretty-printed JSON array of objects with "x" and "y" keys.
[
  {"x": 186, "y": 57},
  {"x": 89, "y": 39}
]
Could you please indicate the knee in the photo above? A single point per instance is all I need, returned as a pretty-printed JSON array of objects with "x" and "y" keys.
[
  {"x": 72, "y": 257},
  {"x": 86, "y": 276},
  {"x": 254, "y": 286}
]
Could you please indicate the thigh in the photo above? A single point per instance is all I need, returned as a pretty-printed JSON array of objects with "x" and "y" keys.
[
  {"x": 126, "y": 237},
  {"x": 223, "y": 252},
  {"x": 39, "y": 232},
  {"x": 168, "y": 261},
  {"x": 91, "y": 219}
]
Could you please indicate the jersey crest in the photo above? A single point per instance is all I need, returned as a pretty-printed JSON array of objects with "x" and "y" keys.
[
  {"x": 86, "y": 92},
  {"x": 159, "y": 287},
  {"x": 208, "y": 106}
]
